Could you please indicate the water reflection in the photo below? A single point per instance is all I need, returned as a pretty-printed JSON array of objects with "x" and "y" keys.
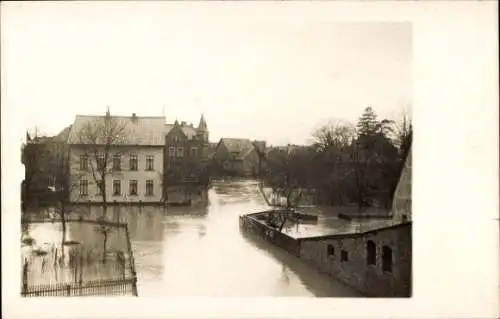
[{"x": 199, "y": 250}]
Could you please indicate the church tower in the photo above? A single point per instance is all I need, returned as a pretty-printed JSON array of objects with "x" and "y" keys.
[
  {"x": 202, "y": 135},
  {"x": 202, "y": 130}
]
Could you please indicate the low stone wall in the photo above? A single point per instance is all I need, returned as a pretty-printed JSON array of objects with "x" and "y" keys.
[
  {"x": 346, "y": 258},
  {"x": 249, "y": 224}
]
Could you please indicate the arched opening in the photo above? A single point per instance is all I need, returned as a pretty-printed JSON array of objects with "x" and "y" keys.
[
  {"x": 344, "y": 256},
  {"x": 386, "y": 259},
  {"x": 371, "y": 253},
  {"x": 330, "y": 250}
]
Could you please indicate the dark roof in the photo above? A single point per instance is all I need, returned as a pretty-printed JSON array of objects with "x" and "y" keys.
[
  {"x": 188, "y": 130},
  {"x": 136, "y": 131},
  {"x": 240, "y": 147}
]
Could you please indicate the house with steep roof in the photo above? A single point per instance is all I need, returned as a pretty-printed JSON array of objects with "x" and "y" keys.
[
  {"x": 129, "y": 148},
  {"x": 237, "y": 156},
  {"x": 186, "y": 160}
]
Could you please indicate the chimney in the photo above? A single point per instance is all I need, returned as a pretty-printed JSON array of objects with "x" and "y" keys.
[
  {"x": 134, "y": 117},
  {"x": 183, "y": 123}
]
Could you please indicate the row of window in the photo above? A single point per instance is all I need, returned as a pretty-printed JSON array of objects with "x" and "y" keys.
[
  {"x": 117, "y": 162},
  {"x": 371, "y": 255},
  {"x": 117, "y": 188},
  {"x": 179, "y": 151}
]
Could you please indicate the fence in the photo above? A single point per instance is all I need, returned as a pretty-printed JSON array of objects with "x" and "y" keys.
[
  {"x": 90, "y": 288},
  {"x": 123, "y": 284}
]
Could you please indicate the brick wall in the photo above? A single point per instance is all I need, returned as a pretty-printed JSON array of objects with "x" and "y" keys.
[{"x": 370, "y": 280}]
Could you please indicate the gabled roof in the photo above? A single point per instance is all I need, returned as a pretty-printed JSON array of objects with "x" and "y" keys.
[
  {"x": 63, "y": 135},
  {"x": 188, "y": 130},
  {"x": 240, "y": 147},
  {"x": 136, "y": 130}
]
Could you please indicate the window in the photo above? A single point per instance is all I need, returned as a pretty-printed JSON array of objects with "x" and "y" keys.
[
  {"x": 132, "y": 187},
  {"x": 117, "y": 187},
  {"x": 117, "y": 162},
  {"x": 149, "y": 163},
  {"x": 133, "y": 162},
  {"x": 84, "y": 187},
  {"x": 149, "y": 188},
  {"x": 176, "y": 139},
  {"x": 330, "y": 250},
  {"x": 386, "y": 259},
  {"x": 180, "y": 152},
  {"x": 344, "y": 256},
  {"x": 371, "y": 256},
  {"x": 84, "y": 162},
  {"x": 171, "y": 151},
  {"x": 193, "y": 151},
  {"x": 100, "y": 161}
]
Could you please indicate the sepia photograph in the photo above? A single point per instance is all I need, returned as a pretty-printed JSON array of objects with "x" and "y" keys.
[
  {"x": 151, "y": 188},
  {"x": 195, "y": 151}
]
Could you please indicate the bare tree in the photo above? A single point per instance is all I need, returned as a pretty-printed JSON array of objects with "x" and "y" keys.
[
  {"x": 339, "y": 134},
  {"x": 404, "y": 134},
  {"x": 287, "y": 176},
  {"x": 98, "y": 140}
]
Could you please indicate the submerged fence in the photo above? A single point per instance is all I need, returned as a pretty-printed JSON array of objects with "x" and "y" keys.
[
  {"x": 107, "y": 287},
  {"x": 122, "y": 281}
]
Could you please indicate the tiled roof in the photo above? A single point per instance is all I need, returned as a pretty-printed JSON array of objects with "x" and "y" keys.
[
  {"x": 239, "y": 146},
  {"x": 188, "y": 130},
  {"x": 136, "y": 131}
]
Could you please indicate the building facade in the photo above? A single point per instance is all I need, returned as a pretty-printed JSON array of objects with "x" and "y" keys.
[
  {"x": 185, "y": 161},
  {"x": 237, "y": 156},
  {"x": 117, "y": 159}
]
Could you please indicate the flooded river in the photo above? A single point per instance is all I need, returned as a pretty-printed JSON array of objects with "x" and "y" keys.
[{"x": 199, "y": 251}]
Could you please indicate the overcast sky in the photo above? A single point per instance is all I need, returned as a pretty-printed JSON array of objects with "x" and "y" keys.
[{"x": 254, "y": 73}]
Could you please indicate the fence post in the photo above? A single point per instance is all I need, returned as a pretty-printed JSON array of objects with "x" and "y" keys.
[
  {"x": 68, "y": 290},
  {"x": 131, "y": 261},
  {"x": 81, "y": 270},
  {"x": 25, "y": 278}
]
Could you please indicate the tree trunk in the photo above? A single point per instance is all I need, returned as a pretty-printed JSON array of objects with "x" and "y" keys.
[
  {"x": 63, "y": 222},
  {"x": 104, "y": 202},
  {"x": 104, "y": 247}
]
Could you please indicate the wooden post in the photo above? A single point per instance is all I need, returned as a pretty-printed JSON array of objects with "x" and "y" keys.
[
  {"x": 68, "y": 290},
  {"x": 81, "y": 270},
  {"x": 25, "y": 277},
  {"x": 132, "y": 262}
]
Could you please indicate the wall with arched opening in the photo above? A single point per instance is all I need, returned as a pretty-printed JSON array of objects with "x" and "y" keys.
[{"x": 377, "y": 263}]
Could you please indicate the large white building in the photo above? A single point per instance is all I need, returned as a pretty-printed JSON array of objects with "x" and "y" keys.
[{"x": 127, "y": 149}]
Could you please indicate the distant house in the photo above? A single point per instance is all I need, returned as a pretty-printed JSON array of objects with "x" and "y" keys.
[
  {"x": 238, "y": 156},
  {"x": 135, "y": 162},
  {"x": 40, "y": 156}
]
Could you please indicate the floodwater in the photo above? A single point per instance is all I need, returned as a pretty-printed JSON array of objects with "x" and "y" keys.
[{"x": 200, "y": 251}]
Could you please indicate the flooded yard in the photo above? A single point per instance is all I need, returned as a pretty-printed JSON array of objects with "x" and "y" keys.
[{"x": 200, "y": 251}]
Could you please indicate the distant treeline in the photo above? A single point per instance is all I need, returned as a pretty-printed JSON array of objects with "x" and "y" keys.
[{"x": 347, "y": 163}]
